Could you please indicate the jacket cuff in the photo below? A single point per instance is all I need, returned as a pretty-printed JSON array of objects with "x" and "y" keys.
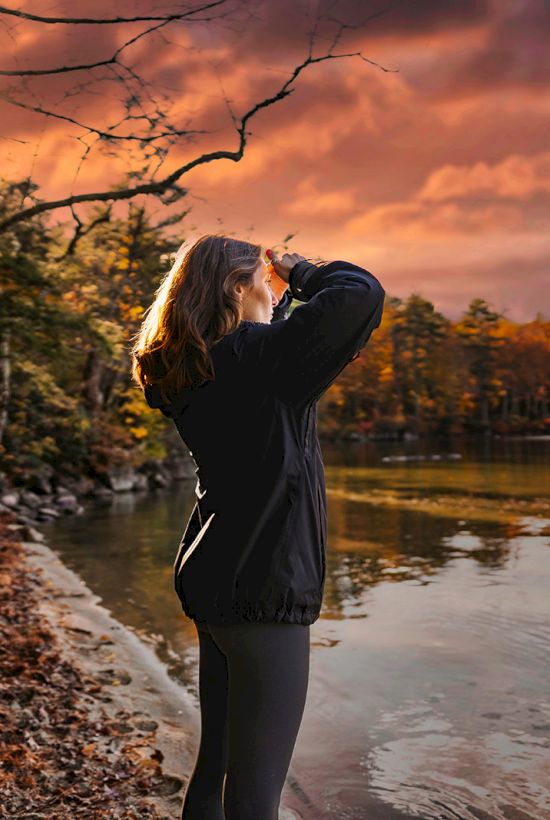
[{"x": 299, "y": 279}]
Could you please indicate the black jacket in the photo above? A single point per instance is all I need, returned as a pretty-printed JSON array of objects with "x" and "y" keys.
[{"x": 254, "y": 546}]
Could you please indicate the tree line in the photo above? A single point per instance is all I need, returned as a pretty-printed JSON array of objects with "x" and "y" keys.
[{"x": 68, "y": 312}]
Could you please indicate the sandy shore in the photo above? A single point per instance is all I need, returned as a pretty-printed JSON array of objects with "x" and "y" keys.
[{"x": 134, "y": 679}]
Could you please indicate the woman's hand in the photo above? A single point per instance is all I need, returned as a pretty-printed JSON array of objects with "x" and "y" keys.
[{"x": 283, "y": 266}]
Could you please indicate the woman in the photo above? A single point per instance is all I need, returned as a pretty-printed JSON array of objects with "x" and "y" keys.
[{"x": 220, "y": 353}]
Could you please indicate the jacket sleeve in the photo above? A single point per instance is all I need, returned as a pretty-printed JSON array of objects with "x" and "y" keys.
[{"x": 301, "y": 356}]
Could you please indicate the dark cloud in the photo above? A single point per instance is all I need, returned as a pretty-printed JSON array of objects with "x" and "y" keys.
[
  {"x": 279, "y": 29},
  {"x": 512, "y": 55}
]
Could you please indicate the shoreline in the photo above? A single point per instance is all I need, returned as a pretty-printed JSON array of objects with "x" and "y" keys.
[
  {"x": 156, "y": 718},
  {"x": 90, "y": 720},
  {"x": 133, "y": 678}
]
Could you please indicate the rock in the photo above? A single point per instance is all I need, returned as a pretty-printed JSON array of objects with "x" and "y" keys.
[
  {"x": 30, "y": 534},
  {"x": 26, "y": 518},
  {"x": 141, "y": 482},
  {"x": 160, "y": 480},
  {"x": 100, "y": 491},
  {"x": 69, "y": 485},
  {"x": 154, "y": 465},
  {"x": 122, "y": 479},
  {"x": 10, "y": 499},
  {"x": 48, "y": 512},
  {"x": 30, "y": 499},
  {"x": 146, "y": 725},
  {"x": 158, "y": 473},
  {"x": 181, "y": 467},
  {"x": 66, "y": 501}
]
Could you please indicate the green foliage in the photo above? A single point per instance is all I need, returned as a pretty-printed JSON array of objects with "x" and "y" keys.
[{"x": 67, "y": 321}]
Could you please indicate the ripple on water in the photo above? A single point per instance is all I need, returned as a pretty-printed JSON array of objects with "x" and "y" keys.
[{"x": 444, "y": 776}]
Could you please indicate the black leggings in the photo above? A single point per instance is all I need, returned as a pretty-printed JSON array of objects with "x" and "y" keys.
[{"x": 253, "y": 680}]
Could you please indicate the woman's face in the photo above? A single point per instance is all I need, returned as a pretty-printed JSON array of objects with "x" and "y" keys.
[{"x": 259, "y": 300}]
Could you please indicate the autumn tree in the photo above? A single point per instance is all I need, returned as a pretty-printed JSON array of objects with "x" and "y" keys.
[
  {"x": 110, "y": 278},
  {"x": 523, "y": 372},
  {"x": 365, "y": 389},
  {"x": 479, "y": 341},
  {"x": 35, "y": 410},
  {"x": 418, "y": 333}
]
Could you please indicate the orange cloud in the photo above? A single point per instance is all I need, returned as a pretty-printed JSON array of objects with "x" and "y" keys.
[
  {"x": 516, "y": 176},
  {"x": 404, "y": 221},
  {"x": 307, "y": 198}
]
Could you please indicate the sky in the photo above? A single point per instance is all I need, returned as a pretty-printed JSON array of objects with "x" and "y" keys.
[{"x": 434, "y": 175}]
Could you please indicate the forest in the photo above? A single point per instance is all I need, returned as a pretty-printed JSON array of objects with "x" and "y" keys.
[{"x": 69, "y": 307}]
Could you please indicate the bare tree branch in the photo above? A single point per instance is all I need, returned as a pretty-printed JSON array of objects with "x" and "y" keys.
[
  {"x": 107, "y": 135},
  {"x": 343, "y": 26},
  {"x": 40, "y": 72},
  {"x": 168, "y": 186},
  {"x": 81, "y": 230},
  {"x": 75, "y": 21}
]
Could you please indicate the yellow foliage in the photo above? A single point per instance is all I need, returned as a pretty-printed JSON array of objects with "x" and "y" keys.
[
  {"x": 134, "y": 313},
  {"x": 139, "y": 432}
]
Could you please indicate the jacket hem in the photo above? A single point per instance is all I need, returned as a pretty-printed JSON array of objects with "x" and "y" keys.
[{"x": 306, "y": 614}]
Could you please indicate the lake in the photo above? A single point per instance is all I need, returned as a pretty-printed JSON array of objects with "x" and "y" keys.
[{"x": 429, "y": 691}]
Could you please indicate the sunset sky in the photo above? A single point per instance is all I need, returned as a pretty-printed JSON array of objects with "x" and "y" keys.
[{"x": 435, "y": 177}]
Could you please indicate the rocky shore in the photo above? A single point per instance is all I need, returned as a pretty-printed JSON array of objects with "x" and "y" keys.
[
  {"x": 45, "y": 495},
  {"x": 91, "y": 723}
]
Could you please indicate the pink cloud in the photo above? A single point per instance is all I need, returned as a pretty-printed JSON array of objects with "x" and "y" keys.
[{"x": 517, "y": 176}]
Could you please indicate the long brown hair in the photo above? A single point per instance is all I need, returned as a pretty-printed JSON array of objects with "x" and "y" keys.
[{"x": 194, "y": 306}]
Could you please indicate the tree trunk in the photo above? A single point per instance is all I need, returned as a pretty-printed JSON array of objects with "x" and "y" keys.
[
  {"x": 111, "y": 378},
  {"x": 504, "y": 413},
  {"x": 91, "y": 386},
  {"x": 485, "y": 412},
  {"x": 5, "y": 379}
]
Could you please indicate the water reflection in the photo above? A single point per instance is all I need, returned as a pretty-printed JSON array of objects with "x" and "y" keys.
[
  {"x": 428, "y": 693},
  {"x": 371, "y": 544}
]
